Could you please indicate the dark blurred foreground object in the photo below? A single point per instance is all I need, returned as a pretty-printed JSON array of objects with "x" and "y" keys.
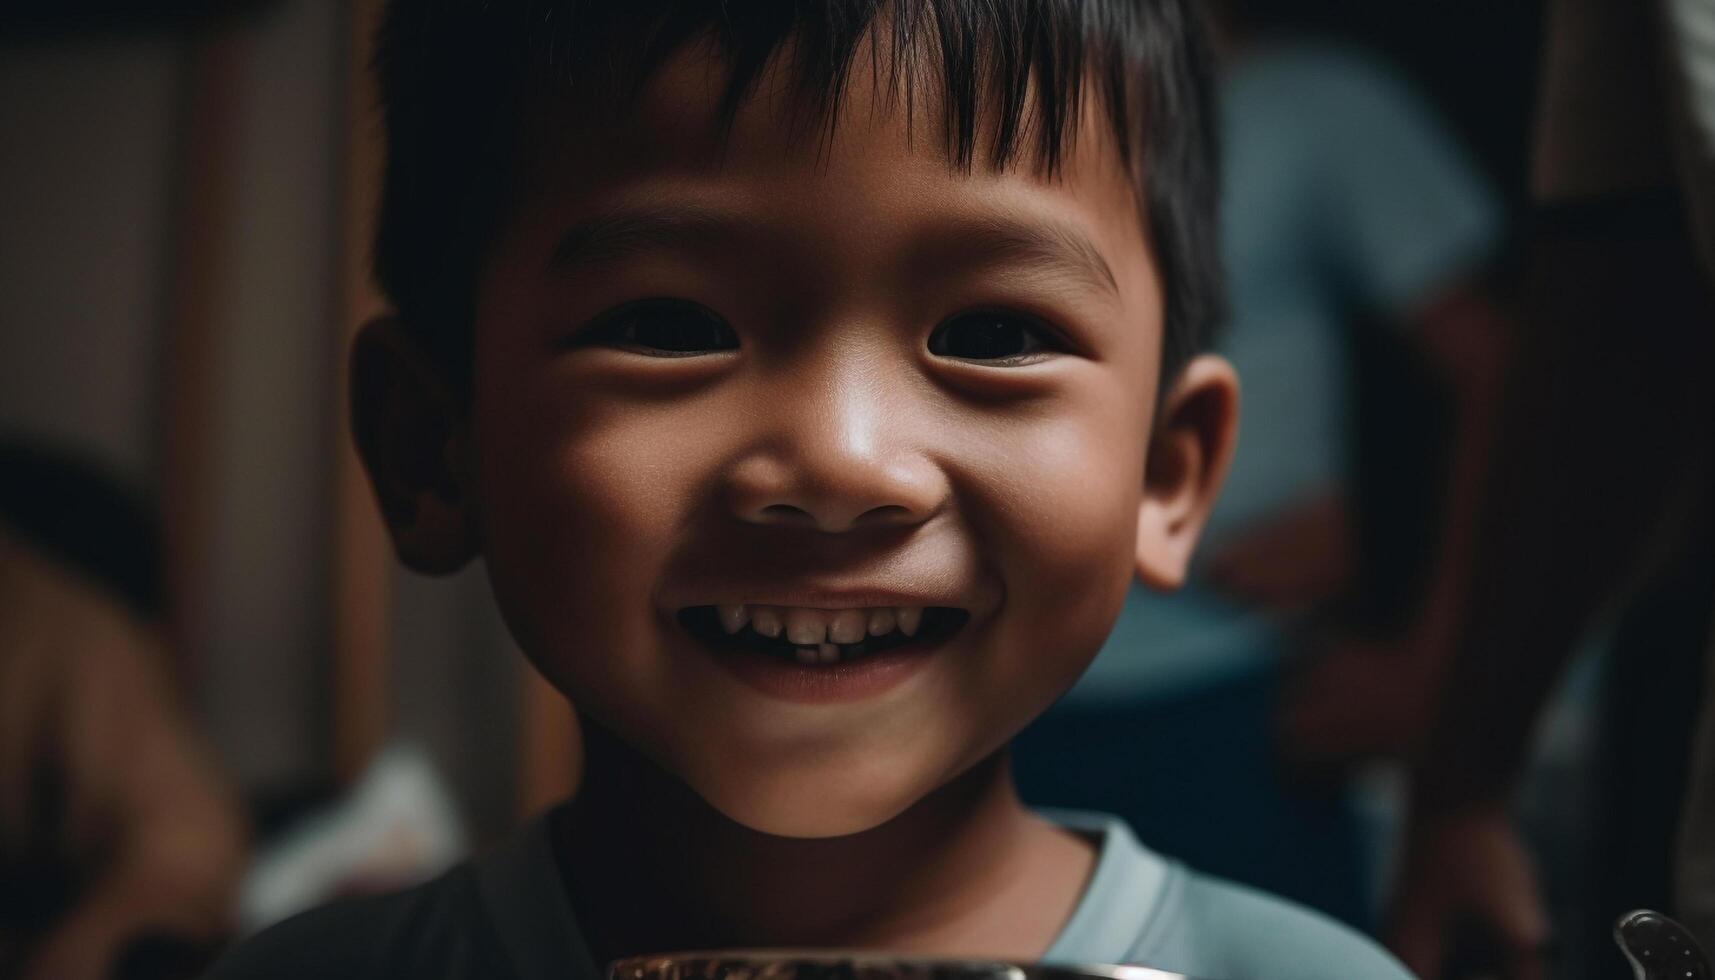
[
  {"x": 1599, "y": 503},
  {"x": 1597, "y": 508},
  {"x": 120, "y": 847}
]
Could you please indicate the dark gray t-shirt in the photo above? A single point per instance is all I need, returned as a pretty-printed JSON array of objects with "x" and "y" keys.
[{"x": 506, "y": 916}]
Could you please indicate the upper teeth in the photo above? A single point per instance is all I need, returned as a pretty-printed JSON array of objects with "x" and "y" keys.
[{"x": 813, "y": 627}]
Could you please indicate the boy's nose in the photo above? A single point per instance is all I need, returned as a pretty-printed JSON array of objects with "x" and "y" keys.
[
  {"x": 838, "y": 461},
  {"x": 771, "y": 490}
]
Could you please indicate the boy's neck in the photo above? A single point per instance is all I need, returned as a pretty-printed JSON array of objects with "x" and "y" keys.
[{"x": 967, "y": 871}]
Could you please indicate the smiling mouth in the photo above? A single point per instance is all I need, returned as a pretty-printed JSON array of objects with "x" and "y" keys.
[{"x": 813, "y": 637}]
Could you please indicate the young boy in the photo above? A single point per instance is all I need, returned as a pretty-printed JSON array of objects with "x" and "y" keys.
[{"x": 812, "y": 378}]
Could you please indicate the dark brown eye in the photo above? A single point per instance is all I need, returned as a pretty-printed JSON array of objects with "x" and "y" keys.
[
  {"x": 664, "y": 328},
  {"x": 990, "y": 336}
]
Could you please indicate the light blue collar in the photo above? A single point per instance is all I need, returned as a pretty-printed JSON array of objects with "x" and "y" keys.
[{"x": 1121, "y": 899}]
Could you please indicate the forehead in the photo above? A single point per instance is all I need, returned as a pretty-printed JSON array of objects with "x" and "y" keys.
[{"x": 879, "y": 157}]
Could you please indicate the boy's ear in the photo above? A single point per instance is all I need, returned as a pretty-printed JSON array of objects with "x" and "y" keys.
[
  {"x": 1188, "y": 456},
  {"x": 411, "y": 434}
]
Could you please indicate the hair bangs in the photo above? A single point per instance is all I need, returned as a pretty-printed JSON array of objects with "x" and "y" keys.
[
  {"x": 459, "y": 80},
  {"x": 1016, "y": 69}
]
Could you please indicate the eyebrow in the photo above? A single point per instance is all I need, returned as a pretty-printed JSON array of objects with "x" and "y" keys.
[
  {"x": 1046, "y": 245},
  {"x": 621, "y": 234},
  {"x": 990, "y": 239}
]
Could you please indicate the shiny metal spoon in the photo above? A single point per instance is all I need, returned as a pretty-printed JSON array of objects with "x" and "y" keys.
[{"x": 1660, "y": 948}]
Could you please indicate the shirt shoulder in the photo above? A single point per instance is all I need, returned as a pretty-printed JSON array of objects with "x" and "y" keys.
[
  {"x": 1216, "y": 929},
  {"x": 436, "y": 930},
  {"x": 1143, "y": 909}
]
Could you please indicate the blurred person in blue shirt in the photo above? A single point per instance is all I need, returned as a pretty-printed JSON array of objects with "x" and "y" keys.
[{"x": 1350, "y": 217}]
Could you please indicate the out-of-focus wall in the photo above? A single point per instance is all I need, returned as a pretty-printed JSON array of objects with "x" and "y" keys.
[
  {"x": 264, "y": 612},
  {"x": 86, "y": 171},
  {"x": 93, "y": 211},
  {"x": 93, "y": 201}
]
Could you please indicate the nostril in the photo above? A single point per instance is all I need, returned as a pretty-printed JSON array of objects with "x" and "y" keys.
[
  {"x": 792, "y": 515},
  {"x": 886, "y": 514},
  {"x": 787, "y": 514}
]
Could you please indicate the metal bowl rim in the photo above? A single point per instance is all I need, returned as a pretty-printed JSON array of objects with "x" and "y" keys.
[{"x": 1031, "y": 971}]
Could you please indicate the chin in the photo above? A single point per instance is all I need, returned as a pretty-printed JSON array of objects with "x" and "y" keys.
[{"x": 829, "y": 802}]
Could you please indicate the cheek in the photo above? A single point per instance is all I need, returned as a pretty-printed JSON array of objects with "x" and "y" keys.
[
  {"x": 579, "y": 506},
  {"x": 1062, "y": 522}
]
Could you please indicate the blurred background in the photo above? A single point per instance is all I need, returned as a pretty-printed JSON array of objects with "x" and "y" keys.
[{"x": 198, "y": 609}]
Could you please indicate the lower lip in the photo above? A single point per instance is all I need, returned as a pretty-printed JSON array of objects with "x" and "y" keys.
[{"x": 852, "y": 680}]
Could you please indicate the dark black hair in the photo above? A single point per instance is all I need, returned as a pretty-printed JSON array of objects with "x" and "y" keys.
[{"x": 459, "y": 79}]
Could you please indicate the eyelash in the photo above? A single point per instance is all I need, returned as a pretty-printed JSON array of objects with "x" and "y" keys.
[
  {"x": 620, "y": 328},
  {"x": 1048, "y": 339},
  {"x": 610, "y": 328}
]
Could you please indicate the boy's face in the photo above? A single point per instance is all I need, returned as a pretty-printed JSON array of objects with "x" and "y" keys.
[{"x": 857, "y": 380}]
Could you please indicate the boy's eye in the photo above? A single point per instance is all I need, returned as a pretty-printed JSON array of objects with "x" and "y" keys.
[
  {"x": 991, "y": 336},
  {"x": 663, "y": 328}
]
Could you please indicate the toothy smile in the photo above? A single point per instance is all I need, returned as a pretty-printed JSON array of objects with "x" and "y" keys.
[{"x": 813, "y": 637}]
